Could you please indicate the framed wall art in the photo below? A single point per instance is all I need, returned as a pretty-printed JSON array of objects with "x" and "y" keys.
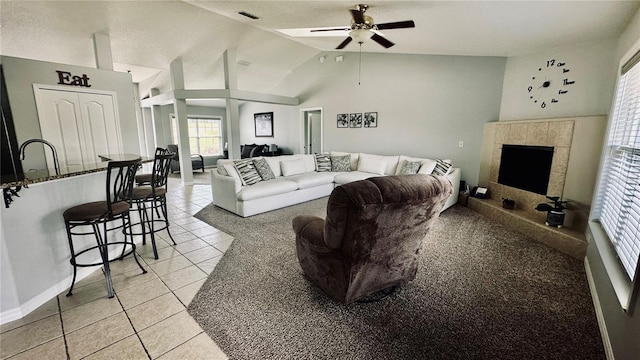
[
  {"x": 264, "y": 124},
  {"x": 355, "y": 120},
  {"x": 370, "y": 119},
  {"x": 343, "y": 120}
]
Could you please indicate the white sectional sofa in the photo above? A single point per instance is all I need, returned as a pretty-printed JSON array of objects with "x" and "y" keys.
[{"x": 297, "y": 180}]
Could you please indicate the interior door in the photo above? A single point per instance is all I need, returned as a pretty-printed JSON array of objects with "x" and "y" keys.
[
  {"x": 316, "y": 127},
  {"x": 80, "y": 125}
]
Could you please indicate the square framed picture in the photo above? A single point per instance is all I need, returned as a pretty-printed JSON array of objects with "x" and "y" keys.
[
  {"x": 264, "y": 124},
  {"x": 343, "y": 120},
  {"x": 370, "y": 119},
  {"x": 355, "y": 120}
]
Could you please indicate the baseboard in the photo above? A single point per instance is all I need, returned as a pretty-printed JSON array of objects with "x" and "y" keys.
[
  {"x": 608, "y": 350},
  {"x": 40, "y": 299},
  {"x": 48, "y": 294}
]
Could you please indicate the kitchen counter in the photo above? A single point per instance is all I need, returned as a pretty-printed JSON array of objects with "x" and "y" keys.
[{"x": 42, "y": 175}]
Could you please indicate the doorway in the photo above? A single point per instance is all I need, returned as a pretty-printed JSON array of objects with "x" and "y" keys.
[{"x": 312, "y": 131}]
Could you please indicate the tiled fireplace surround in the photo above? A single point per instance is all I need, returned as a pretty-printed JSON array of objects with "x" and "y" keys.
[{"x": 524, "y": 218}]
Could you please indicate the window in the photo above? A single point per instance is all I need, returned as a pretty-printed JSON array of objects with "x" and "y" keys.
[
  {"x": 205, "y": 135},
  {"x": 617, "y": 203}
]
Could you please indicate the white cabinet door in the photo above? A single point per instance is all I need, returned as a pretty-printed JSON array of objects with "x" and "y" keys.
[{"x": 80, "y": 125}]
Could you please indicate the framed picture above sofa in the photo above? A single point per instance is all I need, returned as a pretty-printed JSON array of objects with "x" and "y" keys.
[
  {"x": 343, "y": 120},
  {"x": 370, "y": 119},
  {"x": 264, "y": 124}
]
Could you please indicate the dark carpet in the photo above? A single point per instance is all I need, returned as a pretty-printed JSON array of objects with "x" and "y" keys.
[{"x": 482, "y": 292}]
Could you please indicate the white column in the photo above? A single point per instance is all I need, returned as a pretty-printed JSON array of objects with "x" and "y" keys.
[
  {"x": 233, "y": 107},
  {"x": 160, "y": 139},
  {"x": 102, "y": 49},
  {"x": 180, "y": 112}
]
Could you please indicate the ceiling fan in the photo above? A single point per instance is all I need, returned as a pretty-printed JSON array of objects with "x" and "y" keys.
[{"x": 362, "y": 27}]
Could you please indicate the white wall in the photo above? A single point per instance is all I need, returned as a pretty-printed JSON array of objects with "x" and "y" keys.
[
  {"x": 21, "y": 74},
  {"x": 425, "y": 104},
  {"x": 591, "y": 66},
  {"x": 285, "y": 119}
]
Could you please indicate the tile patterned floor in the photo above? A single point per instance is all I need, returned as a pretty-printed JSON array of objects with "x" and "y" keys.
[{"x": 147, "y": 319}]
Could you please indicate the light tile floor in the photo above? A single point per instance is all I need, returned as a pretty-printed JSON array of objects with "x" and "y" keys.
[{"x": 147, "y": 319}]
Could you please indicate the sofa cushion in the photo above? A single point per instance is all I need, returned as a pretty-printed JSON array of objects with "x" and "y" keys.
[
  {"x": 247, "y": 171},
  {"x": 323, "y": 162},
  {"x": 309, "y": 180},
  {"x": 263, "y": 169},
  {"x": 267, "y": 188},
  {"x": 354, "y": 158},
  {"x": 443, "y": 167},
  {"x": 293, "y": 167},
  {"x": 407, "y": 167},
  {"x": 372, "y": 164},
  {"x": 347, "y": 177},
  {"x": 340, "y": 163}
]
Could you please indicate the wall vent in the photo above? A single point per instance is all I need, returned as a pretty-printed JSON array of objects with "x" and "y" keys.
[{"x": 250, "y": 16}]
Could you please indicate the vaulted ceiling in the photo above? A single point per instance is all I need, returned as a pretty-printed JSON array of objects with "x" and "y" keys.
[{"x": 147, "y": 35}]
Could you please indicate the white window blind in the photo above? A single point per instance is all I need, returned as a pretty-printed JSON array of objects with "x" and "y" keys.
[{"x": 618, "y": 195}]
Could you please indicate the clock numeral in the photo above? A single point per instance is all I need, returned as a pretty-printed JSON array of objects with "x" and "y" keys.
[
  {"x": 554, "y": 100},
  {"x": 565, "y": 71},
  {"x": 543, "y": 105},
  {"x": 561, "y": 64},
  {"x": 567, "y": 82},
  {"x": 530, "y": 88},
  {"x": 562, "y": 92},
  {"x": 551, "y": 62}
]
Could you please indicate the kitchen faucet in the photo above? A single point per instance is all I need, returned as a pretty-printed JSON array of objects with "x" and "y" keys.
[{"x": 56, "y": 165}]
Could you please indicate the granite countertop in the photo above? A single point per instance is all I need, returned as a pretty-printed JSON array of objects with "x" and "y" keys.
[{"x": 43, "y": 175}]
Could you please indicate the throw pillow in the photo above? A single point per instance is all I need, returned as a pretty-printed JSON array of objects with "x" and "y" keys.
[
  {"x": 323, "y": 163},
  {"x": 442, "y": 167},
  {"x": 341, "y": 163},
  {"x": 409, "y": 167},
  {"x": 248, "y": 173},
  {"x": 292, "y": 167},
  {"x": 263, "y": 169}
]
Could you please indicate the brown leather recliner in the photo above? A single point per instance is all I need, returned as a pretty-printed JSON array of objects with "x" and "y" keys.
[{"x": 372, "y": 234}]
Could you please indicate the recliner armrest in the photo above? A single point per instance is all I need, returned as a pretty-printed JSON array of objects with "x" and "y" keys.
[{"x": 311, "y": 228}]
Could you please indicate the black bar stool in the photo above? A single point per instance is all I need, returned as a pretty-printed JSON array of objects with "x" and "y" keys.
[
  {"x": 120, "y": 177},
  {"x": 145, "y": 179},
  {"x": 151, "y": 202}
]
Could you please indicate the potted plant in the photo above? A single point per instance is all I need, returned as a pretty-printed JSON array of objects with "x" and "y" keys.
[{"x": 555, "y": 212}]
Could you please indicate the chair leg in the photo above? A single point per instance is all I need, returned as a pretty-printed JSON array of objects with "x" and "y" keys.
[
  {"x": 133, "y": 246},
  {"x": 163, "y": 207},
  {"x": 141, "y": 214},
  {"x": 153, "y": 232},
  {"x": 104, "y": 252},
  {"x": 73, "y": 258}
]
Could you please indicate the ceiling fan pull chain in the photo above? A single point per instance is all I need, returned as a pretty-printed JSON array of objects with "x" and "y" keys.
[{"x": 360, "y": 64}]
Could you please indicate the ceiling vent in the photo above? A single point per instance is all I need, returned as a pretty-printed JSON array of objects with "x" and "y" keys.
[{"x": 250, "y": 16}]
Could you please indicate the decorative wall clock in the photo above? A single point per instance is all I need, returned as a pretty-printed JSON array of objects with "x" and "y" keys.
[{"x": 550, "y": 82}]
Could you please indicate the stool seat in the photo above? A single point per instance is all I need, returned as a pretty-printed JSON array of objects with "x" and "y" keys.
[
  {"x": 143, "y": 179},
  {"x": 94, "y": 211},
  {"x": 143, "y": 192}
]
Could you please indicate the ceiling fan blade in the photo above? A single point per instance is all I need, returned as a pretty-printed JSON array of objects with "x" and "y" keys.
[
  {"x": 396, "y": 25},
  {"x": 358, "y": 16},
  {"x": 382, "y": 41},
  {"x": 334, "y": 29},
  {"x": 344, "y": 43}
]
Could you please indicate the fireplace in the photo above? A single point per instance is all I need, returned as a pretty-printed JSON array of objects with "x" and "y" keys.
[{"x": 526, "y": 167}]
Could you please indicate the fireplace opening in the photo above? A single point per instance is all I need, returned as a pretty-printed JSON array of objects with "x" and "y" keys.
[{"x": 526, "y": 167}]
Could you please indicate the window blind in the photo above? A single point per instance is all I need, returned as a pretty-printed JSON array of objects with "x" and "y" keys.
[{"x": 618, "y": 199}]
